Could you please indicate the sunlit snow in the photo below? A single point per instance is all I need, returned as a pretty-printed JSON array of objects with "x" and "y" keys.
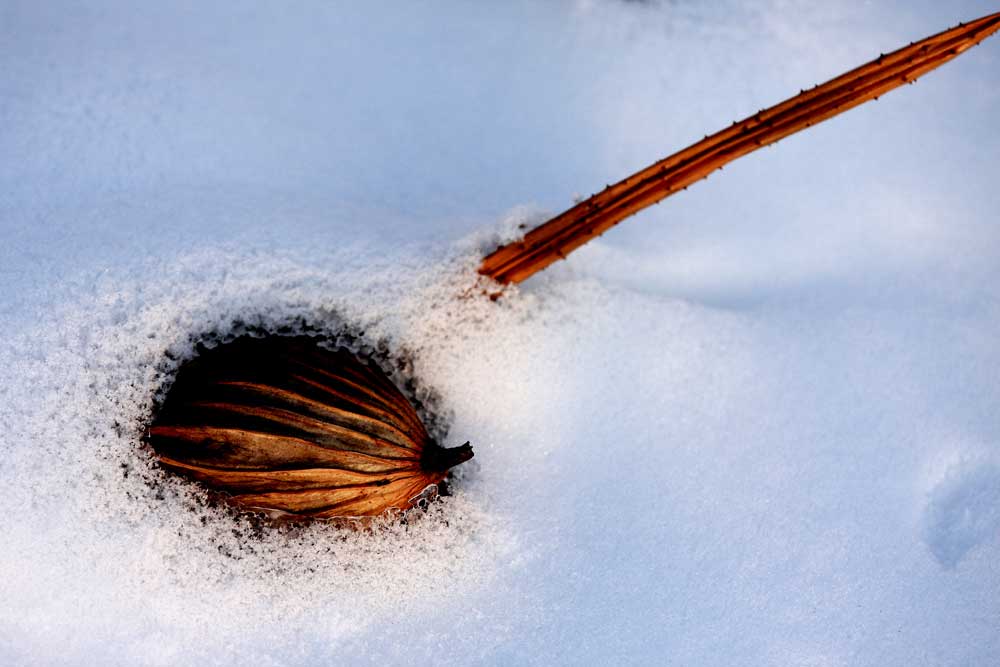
[{"x": 754, "y": 425}]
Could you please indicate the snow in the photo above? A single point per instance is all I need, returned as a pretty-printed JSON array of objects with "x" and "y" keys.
[{"x": 754, "y": 425}]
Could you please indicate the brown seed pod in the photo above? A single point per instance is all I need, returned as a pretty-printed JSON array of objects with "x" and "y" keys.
[{"x": 286, "y": 426}]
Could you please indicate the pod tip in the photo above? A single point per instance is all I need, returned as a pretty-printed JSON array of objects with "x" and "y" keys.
[{"x": 438, "y": 459}]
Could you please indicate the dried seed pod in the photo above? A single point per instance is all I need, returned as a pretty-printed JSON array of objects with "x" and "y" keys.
[{"x": 286, "y": 426}]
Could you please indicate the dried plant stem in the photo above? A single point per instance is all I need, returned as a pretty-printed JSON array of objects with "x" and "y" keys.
[{"x": 569, "y": 230}]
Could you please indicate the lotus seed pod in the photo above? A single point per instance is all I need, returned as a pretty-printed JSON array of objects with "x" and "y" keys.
[{"x": 288, "y": 427}]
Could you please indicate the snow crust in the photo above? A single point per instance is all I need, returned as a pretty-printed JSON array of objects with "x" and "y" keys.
[{"x": 756, "y": 425}]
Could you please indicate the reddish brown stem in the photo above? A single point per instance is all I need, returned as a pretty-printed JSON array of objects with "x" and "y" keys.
[{"x": 590, "y": 218}]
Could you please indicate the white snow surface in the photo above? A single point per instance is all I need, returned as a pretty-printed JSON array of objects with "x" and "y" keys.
[{"x": 756, "y": 425}]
